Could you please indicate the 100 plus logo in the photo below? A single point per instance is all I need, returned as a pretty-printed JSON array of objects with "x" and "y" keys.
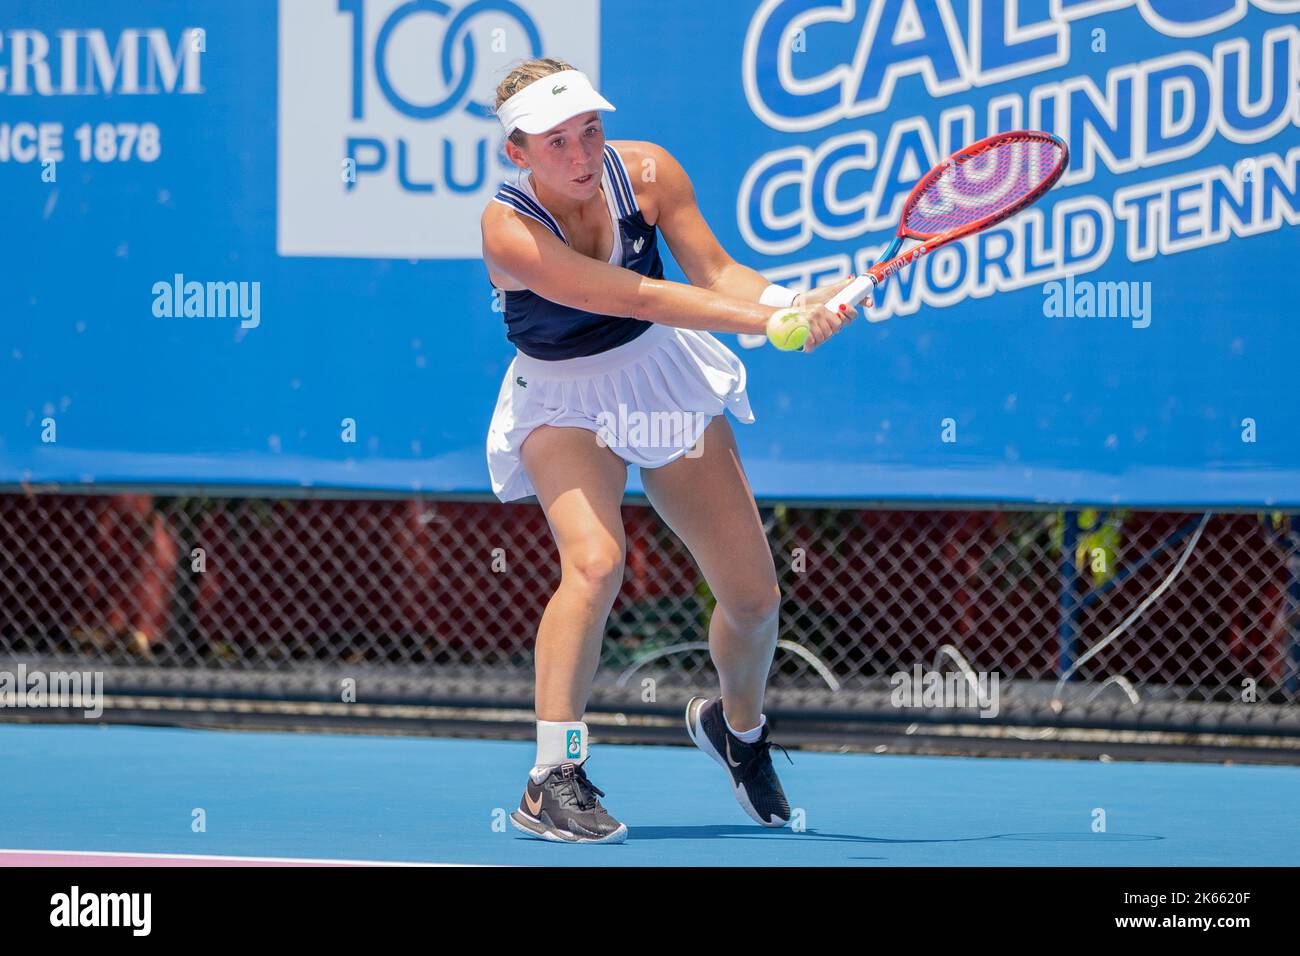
[{"x": 388, "y": 141}]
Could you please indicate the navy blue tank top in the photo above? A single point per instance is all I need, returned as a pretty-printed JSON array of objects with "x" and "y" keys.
[{"x": 544, "y": 329}]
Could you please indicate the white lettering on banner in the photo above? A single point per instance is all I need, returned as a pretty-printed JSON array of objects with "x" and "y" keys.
[
  {"x": 402, "y": 95},
  {"x": 913, "y": 38},
  {"x": 1114, "y": 127},
  {"x": 1209, "y": 206},
  {"x": 1161, "y": 217},
  {"x": 1122, "y": 120},
  {"x": 133, "y": 62}
]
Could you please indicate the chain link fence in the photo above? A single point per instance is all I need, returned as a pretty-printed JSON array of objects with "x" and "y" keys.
[{"x": 1113, "y": 619}]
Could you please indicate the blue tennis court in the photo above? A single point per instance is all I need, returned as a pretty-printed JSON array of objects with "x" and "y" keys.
[
  {"x": 921, "y": 389},
  {"x": 278, "y": 796}
]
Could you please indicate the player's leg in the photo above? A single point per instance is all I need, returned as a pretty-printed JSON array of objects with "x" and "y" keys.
[
  {"x": 580, "y": 487},
  {"x": 707, "y": 502}
]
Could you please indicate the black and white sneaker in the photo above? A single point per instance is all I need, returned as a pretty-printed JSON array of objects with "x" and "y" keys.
[
  {"x": 753, "y": 777},
  {"x": 564, "y": 808}
]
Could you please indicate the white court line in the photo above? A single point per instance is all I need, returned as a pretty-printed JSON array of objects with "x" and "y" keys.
[{"x": 215, "y": 858}]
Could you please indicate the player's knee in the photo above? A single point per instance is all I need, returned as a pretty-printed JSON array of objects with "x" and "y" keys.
[
  {"x": 753, "y": 607},
  {"x": 598, "y": 568}
]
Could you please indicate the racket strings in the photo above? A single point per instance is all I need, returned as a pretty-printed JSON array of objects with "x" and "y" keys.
[{"x": 982, "y": 185}]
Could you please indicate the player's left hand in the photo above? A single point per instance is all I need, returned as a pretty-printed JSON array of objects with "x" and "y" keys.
[
  {"x": 823, "y": 323},
  {"x": 824, "y": 293}
]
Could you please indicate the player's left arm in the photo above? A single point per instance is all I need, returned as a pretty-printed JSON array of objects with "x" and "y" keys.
[{"x": 693, "y": 243}]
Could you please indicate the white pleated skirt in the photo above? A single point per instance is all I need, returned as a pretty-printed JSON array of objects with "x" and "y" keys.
[{"x": 649, "y": 400}]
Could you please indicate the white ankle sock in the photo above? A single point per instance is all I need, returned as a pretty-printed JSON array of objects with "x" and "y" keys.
[
  {"x": 749, "y": 736},
  {"x": 558, "y": 741}
]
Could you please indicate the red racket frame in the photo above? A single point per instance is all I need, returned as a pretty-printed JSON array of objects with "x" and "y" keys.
[{"x": 891, "y": 262}]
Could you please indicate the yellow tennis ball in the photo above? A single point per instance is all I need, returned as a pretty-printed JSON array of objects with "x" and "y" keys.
[{"x": 787, "y": 329}]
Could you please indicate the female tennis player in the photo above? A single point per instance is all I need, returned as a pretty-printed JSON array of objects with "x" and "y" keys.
[{"x": 614, "y": 365}]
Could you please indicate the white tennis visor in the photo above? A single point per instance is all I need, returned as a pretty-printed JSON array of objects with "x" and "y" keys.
[{"x": 546, "y": 103}]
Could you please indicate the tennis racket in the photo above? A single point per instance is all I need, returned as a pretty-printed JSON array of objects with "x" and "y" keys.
[{"x": 973, "y": 189}]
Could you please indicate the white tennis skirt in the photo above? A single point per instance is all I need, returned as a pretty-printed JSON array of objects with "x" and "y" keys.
[{"x": 649, "y": 400}]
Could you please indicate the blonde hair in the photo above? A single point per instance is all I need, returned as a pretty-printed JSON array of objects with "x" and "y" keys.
[{"x": 525, "y": 74}]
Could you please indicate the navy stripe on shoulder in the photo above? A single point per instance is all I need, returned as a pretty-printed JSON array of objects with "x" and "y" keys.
[
  {"x": 519, "y": 200},
  {"x": 623, "y": 185},
  {"x": 611, "y": 177},
  {"x": 538, "y": 210},
  {"x": 520, "y": 208},
  {"x": 525, "y": 211}
]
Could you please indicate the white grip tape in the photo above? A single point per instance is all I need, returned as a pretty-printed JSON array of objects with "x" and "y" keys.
[{"x": 852, "y": 294}]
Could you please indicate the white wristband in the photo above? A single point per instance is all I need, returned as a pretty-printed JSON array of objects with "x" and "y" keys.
[{"x": 778, "y": 296}]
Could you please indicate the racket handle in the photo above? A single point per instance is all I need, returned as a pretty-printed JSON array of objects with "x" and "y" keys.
[{"x": 853, "y": 293}]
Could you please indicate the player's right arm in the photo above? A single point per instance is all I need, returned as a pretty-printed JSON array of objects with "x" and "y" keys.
[{"x": 533, "y": 256}]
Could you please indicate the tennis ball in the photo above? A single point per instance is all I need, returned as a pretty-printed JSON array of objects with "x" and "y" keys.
[{"x": 787, "y": 329}]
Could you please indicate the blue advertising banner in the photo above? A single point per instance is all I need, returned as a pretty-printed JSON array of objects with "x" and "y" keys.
[{"x": 241, "y": 238}]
